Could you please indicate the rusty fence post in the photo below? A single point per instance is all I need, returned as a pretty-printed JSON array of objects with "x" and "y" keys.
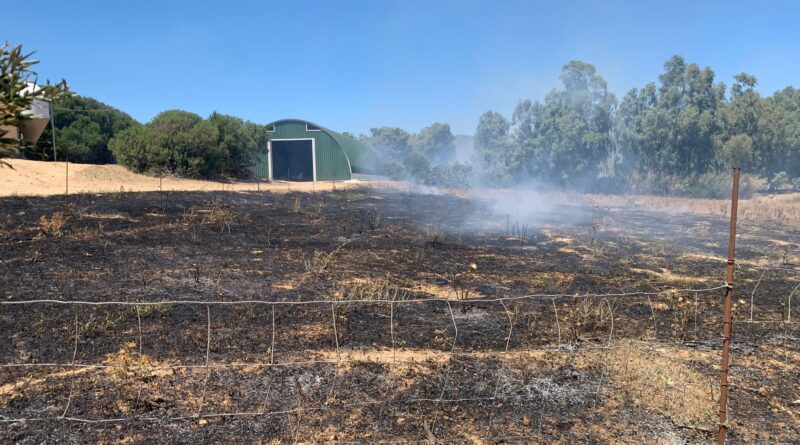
[
  {"x": 66, "y": 184},
  {"x": 727, "y": 315}
]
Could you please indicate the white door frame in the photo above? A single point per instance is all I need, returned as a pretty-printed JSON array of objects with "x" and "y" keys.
[{"x": 313, "y": 154}]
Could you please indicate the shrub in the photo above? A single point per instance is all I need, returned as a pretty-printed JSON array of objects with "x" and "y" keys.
[
  {"x": 184, "y": 144},
  {"x": 452, "y": 176},
  {"x": 779, "y": 181},
  {"x": 417, "y": 166},
  {"x": 136, "y": 148},
  {"x": 707, "y": 185}
]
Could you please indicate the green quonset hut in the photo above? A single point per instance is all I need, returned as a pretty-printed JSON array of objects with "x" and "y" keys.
[{"x": 299, "y": 150}]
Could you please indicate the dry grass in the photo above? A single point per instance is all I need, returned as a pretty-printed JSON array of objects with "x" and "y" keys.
[
  {"x": 665, "y": 380},
  {"x": 39, "y": 178},
  {"x": 432, "y": 235},
  {"x": 297, "y": 205},
  {"x": 775, "y": 209},
  {"x": 382, "y": 289},
  {"x": 54, "y": 224}
]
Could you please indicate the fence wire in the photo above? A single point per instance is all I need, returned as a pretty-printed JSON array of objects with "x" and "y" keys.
[{"x": 615, "y": 345}]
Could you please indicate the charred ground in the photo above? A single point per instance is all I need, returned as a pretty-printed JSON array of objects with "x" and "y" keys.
[{"x": 575, "y": 368}]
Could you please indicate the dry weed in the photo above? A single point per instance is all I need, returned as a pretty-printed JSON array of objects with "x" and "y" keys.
[
  {"x": 297, "y": 206},
  {"x": 382, "y": 289},
  {"x": 54, "y": 224},
  {"x": 433, "y": 235},
  {"x": 661, "y": 381}
]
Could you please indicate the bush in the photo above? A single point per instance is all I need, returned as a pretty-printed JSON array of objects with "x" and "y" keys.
[
  {"x": 779, "y": 181},
  {"x": 84, "y": 127},
  {"x": 239, "y": 141},
  {"x": 136, "y": 148},
  {"x": 184, "y": 144},
  {"x": 418, "y": 167},
  {"x": 707, "y": 185},
  {"x": 451, "y": 176}
]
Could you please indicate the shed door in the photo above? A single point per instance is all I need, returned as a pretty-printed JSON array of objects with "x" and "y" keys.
[{"x": 293, "y": 160}]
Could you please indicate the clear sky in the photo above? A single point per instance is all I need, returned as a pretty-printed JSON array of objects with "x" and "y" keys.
[{"x": 352, "y": 65}]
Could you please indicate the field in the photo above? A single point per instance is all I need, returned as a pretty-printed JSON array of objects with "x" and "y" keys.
[{"x": 369, "y": 315}]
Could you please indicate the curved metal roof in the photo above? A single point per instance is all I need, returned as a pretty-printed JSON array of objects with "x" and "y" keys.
[{"x": 360, "y": 156}]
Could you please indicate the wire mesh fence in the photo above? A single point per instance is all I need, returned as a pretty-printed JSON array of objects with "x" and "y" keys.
[{"x": 522, "y": 368}]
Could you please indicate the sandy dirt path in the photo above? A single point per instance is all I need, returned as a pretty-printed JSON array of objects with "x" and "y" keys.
[{"x": 29, "y": 178}]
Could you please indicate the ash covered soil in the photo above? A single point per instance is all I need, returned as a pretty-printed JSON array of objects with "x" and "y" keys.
[{"x": 403, "y": 318}]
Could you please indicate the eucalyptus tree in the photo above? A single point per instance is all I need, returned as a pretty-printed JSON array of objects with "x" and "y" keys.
[
  {"x": 436, "y": 142},
  {"x": 492, "y": 145}
]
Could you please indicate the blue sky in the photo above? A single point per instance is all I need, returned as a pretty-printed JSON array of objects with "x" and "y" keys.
[{"x": 352, "y": 65}]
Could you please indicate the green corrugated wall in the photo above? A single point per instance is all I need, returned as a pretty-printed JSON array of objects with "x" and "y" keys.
[{"x": 331, "y": 161}]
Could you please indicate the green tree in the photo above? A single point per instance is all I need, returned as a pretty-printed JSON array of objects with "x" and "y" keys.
[
  {"x": 16, "y": 97},
  {"x": 566, "y": 139},
  {"x": 391, "y": 142},
  {"x": 137, "y": 149},
  {"x": 197, "y": 153},
  {"x": 239, "y": 142},
  {"x": 492, "y": 144},
  {"x": 170, "y": 129},
  {"x": 84, "y": 127},
  {"x": 671, "y": 128},
  {"x": 764, "y": 124},
  {"x": 83, "y": 141},
  {"x": 436, "y": 142},
  {"x": 737, "y": 151},
  {"x": 417, "y": 166},
  {"x": 183, "y": 143},
  {"x": 785, "y": 107}
]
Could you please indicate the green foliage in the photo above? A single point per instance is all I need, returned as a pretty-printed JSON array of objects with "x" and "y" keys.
[
  {"x": 417, "y": 166},
  {"x": 239, "y": 141},
  {"x": 15, "y": 96},
  {"x": 137, "y": 149},
  {"x": 737, "y": 152},
  {"x": 433, "y": 145},
  {"x": 170, "y": 123},
  {"x": 706, "y": 185},
  {"x": 84, "y": 126},
  {"x": 568, "y": 137},
  {"x": 784, "y": 113},
  {"x": 184, "y": 144},
  {"x": 391, "y": 142},
  {"x": 435, "y": 142},
  {"x": 83, "y": 141},
  {"x": 492, "y": 147},
  {"x": 450, "y": 176},
  {"x": 780, "y": 181},
  {"x": 678, "y": 135},
  {"x": 671, "y": 128}
]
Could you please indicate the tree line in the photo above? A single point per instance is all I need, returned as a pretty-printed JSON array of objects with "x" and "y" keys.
[
  {"x": 675, "y": 135},
  {"x": 174, "y": 142},
  {"x": 183, "y": 143},
  {"x": 428, "y": 156}
]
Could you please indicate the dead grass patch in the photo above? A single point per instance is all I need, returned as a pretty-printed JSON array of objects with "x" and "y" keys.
[
  {"x": 667, "y": 276},
  {"x": 662, "y": 380}
]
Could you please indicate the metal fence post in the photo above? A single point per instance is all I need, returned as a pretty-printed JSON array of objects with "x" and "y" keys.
[{"x": 727, "y": 315}]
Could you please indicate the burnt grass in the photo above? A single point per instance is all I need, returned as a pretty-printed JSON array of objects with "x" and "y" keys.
[{"x": 574, "y": 369}]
